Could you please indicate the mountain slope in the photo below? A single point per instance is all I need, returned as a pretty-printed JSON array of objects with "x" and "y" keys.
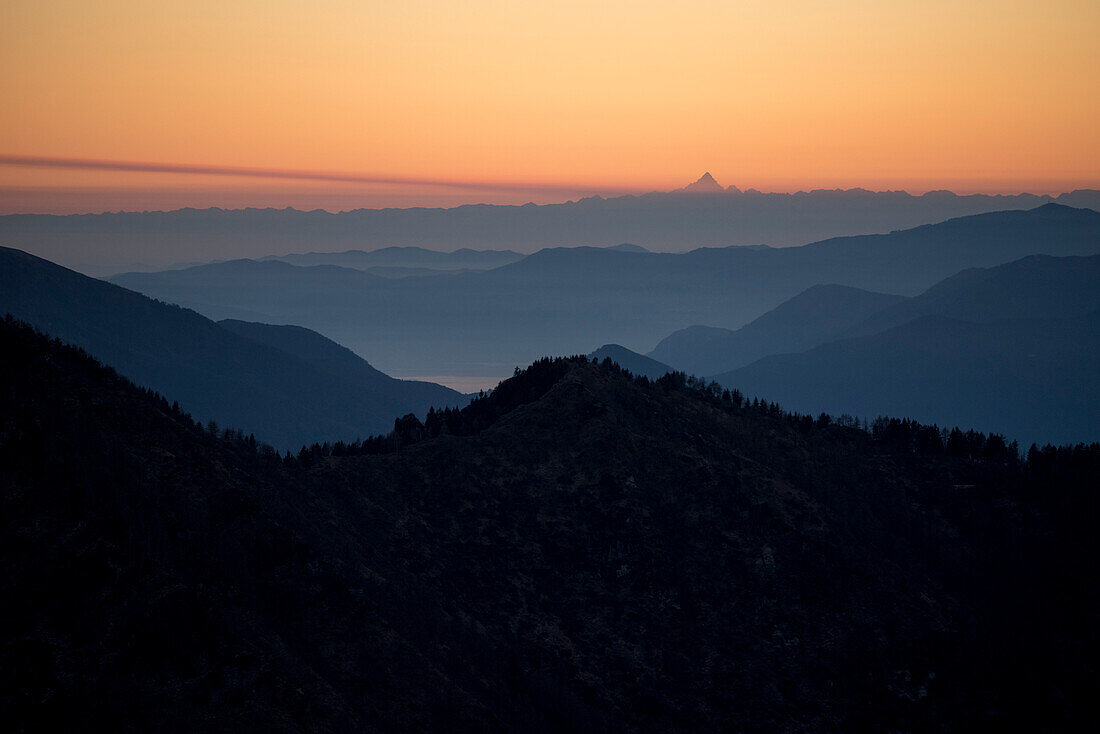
[
  {"x": 1034, "y": 380},
  {"x": 639, "y": 364},
  {"x": 579, "y": 551},
  {"x": 217, "y": 374},
  {"x": 815, "y": 316},
  {"x": 556, "y": 298},
  {"x": 932, "y": 252},
  {"x": 392, "y": 397},
  {"x": 159, "y": 574},
  {"x": 1039, "y": 287}
]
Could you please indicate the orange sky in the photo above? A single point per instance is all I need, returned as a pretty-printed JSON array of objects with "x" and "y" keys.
[{"x": 587, "y": 96}]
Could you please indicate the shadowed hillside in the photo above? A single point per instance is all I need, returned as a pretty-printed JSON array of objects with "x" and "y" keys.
[
  {"x": 1035, "y": 287},
  {"x": 581, "y": 551},
  {"x": 1013, "y": 349},
  {"x": 1031, "y": 379},
  {"x": 285, "y": 384},
  {"x": 815, "y": 316}
]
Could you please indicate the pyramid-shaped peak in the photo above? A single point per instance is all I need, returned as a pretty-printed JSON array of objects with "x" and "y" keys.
[{"x": 705, "y": 185}]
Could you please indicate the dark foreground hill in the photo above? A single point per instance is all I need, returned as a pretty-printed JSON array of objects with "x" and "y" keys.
[
  {"x": 580, "y": 551},
  {"x": 287, "y": 385}
]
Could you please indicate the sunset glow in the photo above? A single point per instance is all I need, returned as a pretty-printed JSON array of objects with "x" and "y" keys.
[{"x": 541, "y": 102}]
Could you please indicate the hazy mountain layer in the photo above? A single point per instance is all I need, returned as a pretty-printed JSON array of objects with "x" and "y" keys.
[
  {"x": 287, "y": 385},
  {"x": 560, "y": 298},
  {"x": 1033, "y": 287},
  {"x": 815, "y": 316},
  {"x": 405, "y": 257},
  {"x": 1034, "y": 380},
  {"x": 101, "y": 244},
  {"x": 581, "y": 551},
  {"x": 1036, "y": 287}
]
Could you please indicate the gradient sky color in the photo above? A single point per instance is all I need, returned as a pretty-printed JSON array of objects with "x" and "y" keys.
[{"x": 550, "y": 97}]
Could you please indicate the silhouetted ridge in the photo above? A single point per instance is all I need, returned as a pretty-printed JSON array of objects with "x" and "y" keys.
[
  {"x": 569, "y": 564},
  {"x": 526, "y": 386},
  {"x": 639, "y": 364}
]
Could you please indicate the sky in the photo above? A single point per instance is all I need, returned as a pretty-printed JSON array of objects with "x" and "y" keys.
[{"x": 435, "y": 103}]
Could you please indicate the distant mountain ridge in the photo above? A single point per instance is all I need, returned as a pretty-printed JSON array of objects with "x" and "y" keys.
[
  {"x": 1032, "y": 380},
  {"x": 1034, "y": 287},
  {"x": 404, "y": 257},
  {"x": 559, "y": 298},
  {"x": 1037, "y": 286},
  {"x": 1013, "y": 349},
  {"x": 286, "y": 384},
  {"x": 815, "y": 316},
  {"x": 638, "y": 364},
  {"x": 102, "y": 244}
]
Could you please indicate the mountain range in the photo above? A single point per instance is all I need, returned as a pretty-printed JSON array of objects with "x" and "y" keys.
[
  {"x": 817, "y": 315},
  {"x": 488, "y": 322},
  {"x": 1013, "y": 349},
  {"x": 285, "y": 384},
  {"x": 1033, "y": 380},
  {"x": 1031, "y": 287},
  {"x": 702, "y": 214},
  {"x": 950, "y": 355},
  {"x": 581, "y": 550}
]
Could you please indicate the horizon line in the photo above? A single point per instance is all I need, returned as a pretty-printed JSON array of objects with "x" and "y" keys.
[{"x": 579, "y": 191}]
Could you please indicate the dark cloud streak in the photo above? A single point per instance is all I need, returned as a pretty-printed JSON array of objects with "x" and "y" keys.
[{"x": 95, "y": 164}]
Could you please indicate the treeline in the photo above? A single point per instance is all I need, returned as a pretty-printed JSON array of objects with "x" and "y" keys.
[
  {"x": 891, "y": 435},
  {"x": 525, "y": 386},
  {"x": 1014, "y": 573},
  {"x": 28, "y": 338},
  {"x": 1048, "y": 464}
]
